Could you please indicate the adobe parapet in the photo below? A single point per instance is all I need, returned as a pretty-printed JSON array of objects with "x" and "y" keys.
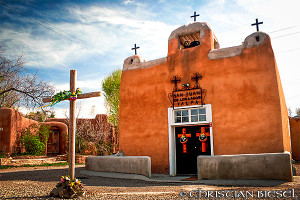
[
  {"x": 138, "y": 62},
  {"x": 197, "y": 35},
  {"x": 255, "y": 39}
]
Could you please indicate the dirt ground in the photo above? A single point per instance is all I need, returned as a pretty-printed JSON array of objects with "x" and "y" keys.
[{"x": 37, "y": 182}]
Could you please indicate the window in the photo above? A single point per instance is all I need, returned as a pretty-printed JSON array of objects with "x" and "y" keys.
[
  {"x": 198, "y": 115},
  {"x": 190, "y": 115},
  {"x": 181, "y": 116}
]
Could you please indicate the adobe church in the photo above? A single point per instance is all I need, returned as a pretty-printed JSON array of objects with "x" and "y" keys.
[{"x": 201, "y": 100}]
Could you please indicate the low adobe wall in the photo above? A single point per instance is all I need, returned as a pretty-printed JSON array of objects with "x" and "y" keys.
[
  {"x": 269, "y": 166},
  {"x": 120, "y": 164},
  {"x": 295, "y": 137}
]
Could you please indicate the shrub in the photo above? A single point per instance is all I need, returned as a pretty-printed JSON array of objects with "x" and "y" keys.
[
  {"x": 34, "y": 139},
  {"x": 32, "y": 144}
]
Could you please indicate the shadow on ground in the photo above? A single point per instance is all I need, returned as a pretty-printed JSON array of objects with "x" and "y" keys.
[{"x": 53, "y": 175}]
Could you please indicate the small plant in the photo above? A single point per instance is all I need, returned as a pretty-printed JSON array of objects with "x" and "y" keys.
[{"x": 68, "y": 188}]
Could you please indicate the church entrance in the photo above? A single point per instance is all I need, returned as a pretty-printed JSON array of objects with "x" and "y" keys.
[
  {"x": 191, "y": 141},
  {"x": 190, "y": 135},
  {"x": 53, "y": 141}
]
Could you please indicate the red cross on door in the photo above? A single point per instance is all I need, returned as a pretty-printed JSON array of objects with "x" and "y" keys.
[
  {"x": 203, "y": 138},
  {"x": 183, "y": 139}
]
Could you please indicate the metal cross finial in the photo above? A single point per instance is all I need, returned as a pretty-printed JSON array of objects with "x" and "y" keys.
[
  {"x": 257, "y": 24},
  {"x": 176, "y": 79},
  {"x": 196, "y": 77},
  {"x": 135, "y": 48},
  {"x": 195, "y": 16}
]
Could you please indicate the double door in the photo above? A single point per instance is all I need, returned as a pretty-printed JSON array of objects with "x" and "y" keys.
[{"x": 191, "y": 141}]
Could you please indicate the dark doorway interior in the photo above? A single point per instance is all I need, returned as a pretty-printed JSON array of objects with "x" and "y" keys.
[{"x": 188, "y": 150}]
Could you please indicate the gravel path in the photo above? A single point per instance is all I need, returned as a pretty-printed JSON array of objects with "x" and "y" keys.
[{"x": 37, "y": 182}]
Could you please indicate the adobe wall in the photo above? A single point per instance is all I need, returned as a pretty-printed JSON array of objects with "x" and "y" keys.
[
  {"x": 12, "y": 123},
  {"x": 5, "y": 129},
  {"x": 243, "y": 87},
  {"x": 295, "y": 137}
]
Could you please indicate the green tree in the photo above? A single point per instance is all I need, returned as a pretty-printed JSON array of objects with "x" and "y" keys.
[{"x": 111, "y": 89}]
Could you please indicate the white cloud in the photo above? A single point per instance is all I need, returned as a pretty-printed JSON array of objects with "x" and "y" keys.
[
  {"x": 126, "y": 2},
  {"x": 41, "y": 50},
  {"x": 84, "y": 85},
  {"x": 85, "y": 108}
]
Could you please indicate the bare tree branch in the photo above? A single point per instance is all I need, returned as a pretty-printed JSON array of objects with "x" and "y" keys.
[{"x": 17, "y": 87}]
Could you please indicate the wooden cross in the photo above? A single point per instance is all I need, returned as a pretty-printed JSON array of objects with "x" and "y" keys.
[
  {"x": 135, "y": 48},
  {"x": 205, "y": 134},
  {"x": 72, "y": 123},
  {"x": 186, "y": 137},
  {"x": 195, "y": 16},
  {"x": 257, "y": 24}
]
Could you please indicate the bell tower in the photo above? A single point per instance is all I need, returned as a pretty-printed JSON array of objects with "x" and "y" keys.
[{"x": 192, "y": 35}]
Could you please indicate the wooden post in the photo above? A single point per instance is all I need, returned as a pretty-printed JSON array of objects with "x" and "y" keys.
[
  {"x": 72, "y": 121},
  {"x": 72, "y": 126}
]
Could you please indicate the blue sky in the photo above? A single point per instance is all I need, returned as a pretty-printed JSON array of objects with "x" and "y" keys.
[{"x": 95, "y": 37}]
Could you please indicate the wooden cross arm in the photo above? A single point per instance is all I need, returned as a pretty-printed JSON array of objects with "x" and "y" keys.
[
  {"x": 187, "y": 135},
  {"x": 79, "y": 96}
]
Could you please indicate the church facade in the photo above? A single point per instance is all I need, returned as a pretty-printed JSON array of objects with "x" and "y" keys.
[{"x": 202, "y": 100}]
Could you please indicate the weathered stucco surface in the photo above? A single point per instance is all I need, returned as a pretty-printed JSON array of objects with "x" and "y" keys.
[{"x": 248, "y": 108}]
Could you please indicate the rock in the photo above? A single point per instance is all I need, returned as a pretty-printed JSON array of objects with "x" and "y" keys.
[
  {"x": 54, "y": 192},
  {"x": 58, "y": 184},
  {"x": 61, "y": 193}
]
